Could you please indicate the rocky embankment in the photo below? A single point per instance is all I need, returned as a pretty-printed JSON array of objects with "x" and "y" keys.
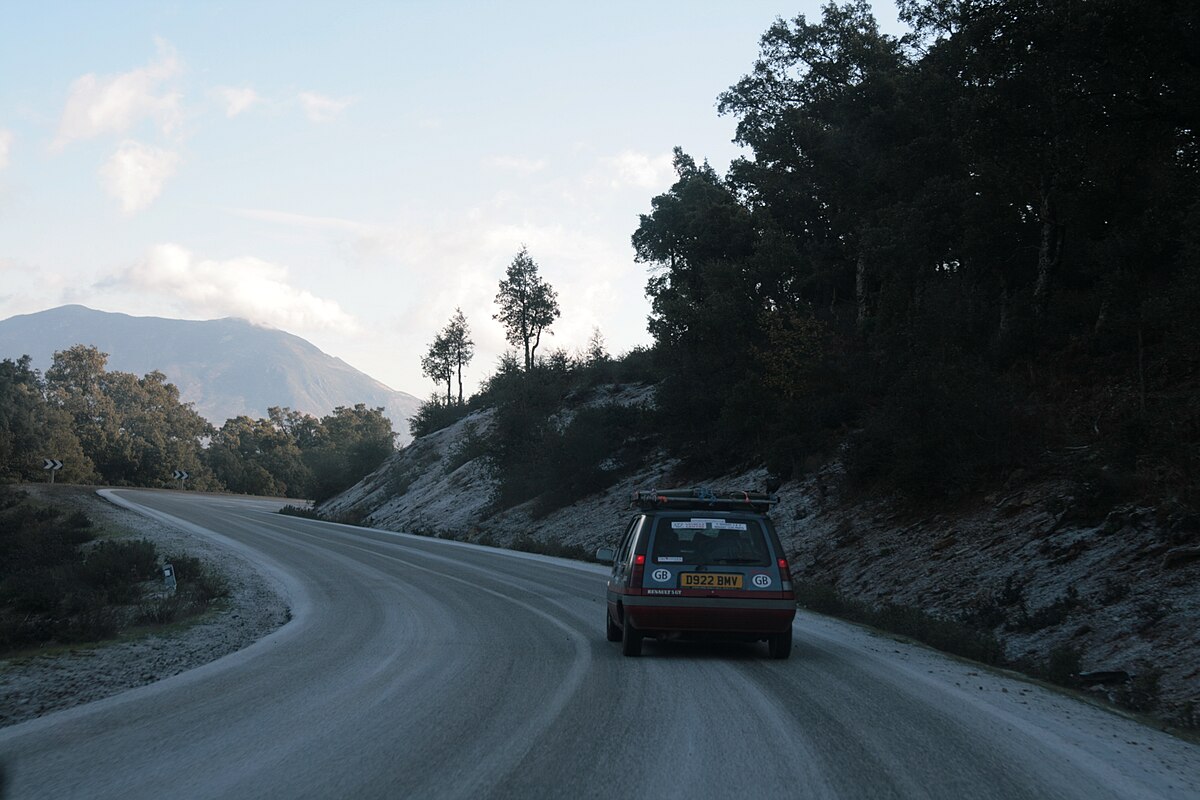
[{"x": 1116, "y": 597}]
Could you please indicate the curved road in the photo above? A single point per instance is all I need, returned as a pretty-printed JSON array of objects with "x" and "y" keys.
[{"x": 420, "y": 668}]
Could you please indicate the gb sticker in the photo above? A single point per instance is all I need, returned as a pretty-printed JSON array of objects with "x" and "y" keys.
[
  {"x": 661, "y": 575},
  {"x": 761, "y": 581}
]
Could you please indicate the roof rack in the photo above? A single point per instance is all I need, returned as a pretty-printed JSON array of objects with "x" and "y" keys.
[{"x": 700, "y": 498}]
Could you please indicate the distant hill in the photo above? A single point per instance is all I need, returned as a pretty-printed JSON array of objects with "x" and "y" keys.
[{"x": 226, "y": 367}]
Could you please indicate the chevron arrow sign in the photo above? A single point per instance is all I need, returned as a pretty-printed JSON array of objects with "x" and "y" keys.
[
  {"x": 180, "y": 475},
  {"x": 52, "y": 463}
]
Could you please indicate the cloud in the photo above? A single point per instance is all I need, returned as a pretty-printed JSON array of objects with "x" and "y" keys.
[
  {"x": 516, "y": 163},
  {"x": 320, "y": 108},
  {"x": 303, "y": 220},
  {"x": 629, "y": 168},
  {"x": 236, "y": 99},
  {"x": 114, "y": 104},
  {"x": 6, "y": 139},
  {"x": 135, "y": 174},
  {"x": 244, "y": 287}
]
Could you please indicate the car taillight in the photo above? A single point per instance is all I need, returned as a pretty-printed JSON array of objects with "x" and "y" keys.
[
  {"x": 785, "y": 575},
  {"x": 635, "y": 577}
]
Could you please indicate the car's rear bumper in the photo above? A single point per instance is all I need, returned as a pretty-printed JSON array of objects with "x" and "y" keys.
[{"x": 709, "y": 615}]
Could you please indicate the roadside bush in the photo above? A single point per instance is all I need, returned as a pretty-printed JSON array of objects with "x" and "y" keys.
[
  {"x": 307, "y": 512},
  {"x": 948, "y": 635},
  {"x": 527, "y": 544},
  {"x": 435, "y": 414},
  {"x": 1062, "y": 666},
  {"x": 468, "y": 447},
  {"x": 116, "y": 567},
  {"x": 53, "y": 589},
  {"x": 194, "y": 579}
]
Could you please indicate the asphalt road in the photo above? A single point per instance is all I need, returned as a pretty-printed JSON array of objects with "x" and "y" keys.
[{"x": 419, "y": 668}]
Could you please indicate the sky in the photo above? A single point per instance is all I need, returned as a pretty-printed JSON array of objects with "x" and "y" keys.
[{"x": 354, "y": 172}]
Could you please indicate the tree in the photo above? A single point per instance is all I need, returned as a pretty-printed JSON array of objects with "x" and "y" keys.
[
  {"x": 31, "y": 429},
  {"x": 456, "y": 337},
  {"x": 356, "y": 441},
  {"x": 437, "y": 365},
  {"x": 528, "y": 306},
  {"x": 596, "y": 353}
]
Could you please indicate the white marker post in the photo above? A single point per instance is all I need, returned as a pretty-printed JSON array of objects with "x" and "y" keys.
[{"x": 169, "y": 577}]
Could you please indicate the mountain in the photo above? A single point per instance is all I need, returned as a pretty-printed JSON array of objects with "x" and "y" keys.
[{"x": 226, "y": 367}]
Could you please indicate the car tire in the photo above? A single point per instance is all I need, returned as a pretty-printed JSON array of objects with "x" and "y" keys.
[
  {"x": 610, "y": 628},
  {"x": 780, "y": 645},
  {"x": 631, "y": 640}
]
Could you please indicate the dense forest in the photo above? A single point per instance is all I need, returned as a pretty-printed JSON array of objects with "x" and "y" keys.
[
  {"x": 952, "y": 252},
  {"x": 119, "y": 429},
  {"x": 944, "y": 257}
]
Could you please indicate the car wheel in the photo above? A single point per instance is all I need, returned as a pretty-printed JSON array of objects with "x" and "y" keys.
[
  {"x": 631, "y": 640},
  {"x": 610, "y": 628},
  {"x": 780, "y": 645}
]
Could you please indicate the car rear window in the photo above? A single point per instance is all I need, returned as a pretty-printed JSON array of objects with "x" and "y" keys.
[{"x": 706, "y": 541}]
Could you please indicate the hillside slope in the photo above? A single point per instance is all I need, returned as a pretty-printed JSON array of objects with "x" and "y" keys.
[
  {"x": 1119, "y": 594},
  {"x": 226, "y": 367}
]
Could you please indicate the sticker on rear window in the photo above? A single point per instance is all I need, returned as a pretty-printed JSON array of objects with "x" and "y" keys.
[
  {"x": 715, "y": 524},
  {"x": 678, "y": 559}
]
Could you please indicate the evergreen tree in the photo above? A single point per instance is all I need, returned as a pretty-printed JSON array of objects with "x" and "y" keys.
[{"x": 528, "y": 306}]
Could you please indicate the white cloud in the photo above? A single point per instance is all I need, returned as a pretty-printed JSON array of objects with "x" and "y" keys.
[
  {"x": 629, "y": 168},
  {"x": 114, "y": 104},
  {"x": 321, "y": 108},
  {"x": 516, "y": 163},
  {"x": 236, "y": 99},
  {"x": 6, "y": 139},
  {"x": 303, "y": 220},
  {"x": 136, "y": 172},
  {"x": 244, "y": 287}
]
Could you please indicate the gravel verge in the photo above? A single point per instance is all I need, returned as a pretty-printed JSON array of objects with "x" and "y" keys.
[{"x": 32, "y": 686}]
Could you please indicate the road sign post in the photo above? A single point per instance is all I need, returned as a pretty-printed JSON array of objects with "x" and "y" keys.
[{"x": 53, "y": 465}]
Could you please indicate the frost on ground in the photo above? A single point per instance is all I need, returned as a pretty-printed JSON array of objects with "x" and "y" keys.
[
  {"x": 36, "y": 685},
  {"x": 1118, "y": 595}
]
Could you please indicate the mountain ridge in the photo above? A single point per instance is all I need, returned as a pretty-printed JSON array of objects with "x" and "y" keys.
[{"x": 226, "y": 367}]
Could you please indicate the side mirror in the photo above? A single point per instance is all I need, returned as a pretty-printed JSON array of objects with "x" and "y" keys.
[{"x": 605, "y": 555}]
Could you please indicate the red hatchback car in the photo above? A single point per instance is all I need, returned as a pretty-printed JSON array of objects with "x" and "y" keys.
[{"x": 694, "y": 564}]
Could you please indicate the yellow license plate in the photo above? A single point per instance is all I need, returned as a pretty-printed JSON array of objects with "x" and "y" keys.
[{"x": 709, "y": 580}]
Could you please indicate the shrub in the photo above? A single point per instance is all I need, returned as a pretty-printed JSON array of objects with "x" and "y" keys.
[
  {"x": 1062, "y": 666},
  {"x": 944, "y": 634},
  {"x": 435, "y": 414},
  {"x": 194, "y": 579},
  {"x": 308, "y": 512},
  {"x": 116, "y": 567},
  {"x": 468, "y": 447}
]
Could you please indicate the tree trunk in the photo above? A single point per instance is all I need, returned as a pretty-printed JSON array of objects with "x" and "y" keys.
[
  {"x": 1049, "y": 248},
  {"x": 1004, "y": 327},
  {"x": 860, "y": 289}
]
